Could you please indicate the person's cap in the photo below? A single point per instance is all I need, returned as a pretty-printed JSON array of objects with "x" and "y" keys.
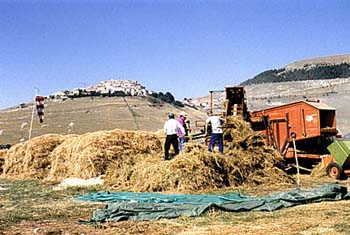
[
  {"x": 171, "y": 115},
  {"x": 184, "y": 114}
]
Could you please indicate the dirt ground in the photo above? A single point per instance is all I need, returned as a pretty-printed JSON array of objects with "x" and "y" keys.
[{"x": 34, "y": 207}]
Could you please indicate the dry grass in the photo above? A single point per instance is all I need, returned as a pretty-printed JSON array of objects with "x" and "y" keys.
[
  {"x": 30, "y": 207},
  {"x": 2, "y": 159},
  {"x": 319, "y": 171},
  {"x": 31, "y": 159},
  {"x": 132, "y": 161},
  {"x": 90, "y": 115},
  {"x": 246, "y": 161},
  {"x": 193, "y": 171},
  {"x": 90, "y": 155}
]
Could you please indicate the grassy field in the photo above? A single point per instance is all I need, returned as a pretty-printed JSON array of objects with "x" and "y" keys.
[{"x": 35, "y": 207}]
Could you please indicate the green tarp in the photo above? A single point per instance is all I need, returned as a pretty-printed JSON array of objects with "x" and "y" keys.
[{"x": 153, "y": 206}]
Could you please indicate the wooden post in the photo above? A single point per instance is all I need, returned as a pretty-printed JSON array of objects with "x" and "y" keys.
[
  {"x": 296, "y": 158},
  {"x": 211, "y": 101},
  {"x": 32, "y": 118}
]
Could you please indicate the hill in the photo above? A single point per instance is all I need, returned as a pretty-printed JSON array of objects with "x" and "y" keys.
[
  {"x": 326, "y": 60},
  {"x": 130, "y": 106},
  {"x": 88, "y": 114},
  {"x": 329, "y": 67},
  {"x": 334, "y": 92}
]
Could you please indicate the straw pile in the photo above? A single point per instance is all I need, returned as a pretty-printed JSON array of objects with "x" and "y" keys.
[
  {"x": 31, "y": 159},
  {"x": 241, "y": 134},
  {"x": 89, "y": 155},
  {"x": 246, "y": 161},
  {"x": 132, "y": 161},
  {"x": 125, "y": 174},
  {"x": 320, "y": 170},
  {"x": 197, "y": 170}
]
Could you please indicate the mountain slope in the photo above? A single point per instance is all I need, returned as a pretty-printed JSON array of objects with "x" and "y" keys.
[
  {"x": 329, "y": 60},
  {"x": 334, "y": 92},
  {"x": 82, "y": 115},
  {"x": 329, "y": 67}
]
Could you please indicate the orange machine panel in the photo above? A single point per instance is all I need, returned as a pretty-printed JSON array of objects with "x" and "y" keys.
[{"x": 306, "y": 119}]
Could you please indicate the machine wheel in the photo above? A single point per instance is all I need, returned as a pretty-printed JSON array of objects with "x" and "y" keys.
[{"x": 335, "y": 171}]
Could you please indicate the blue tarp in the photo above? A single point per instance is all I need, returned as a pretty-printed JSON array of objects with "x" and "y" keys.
[
  {"x": 153, "y": 206},
  {"x": 163, "y": 198}
]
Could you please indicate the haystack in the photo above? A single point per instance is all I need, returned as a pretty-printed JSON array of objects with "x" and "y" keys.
[
  {"x": 124, "y": 174},
  {"x": 196, "y": 170},
  {"x": 132, "y": 161},
  {"x": 246, "y": 160},
  {"x": 89, "y": 155},
  {"x": 31, "y": 159}
]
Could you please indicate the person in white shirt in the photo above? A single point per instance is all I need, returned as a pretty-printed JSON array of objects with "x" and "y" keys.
[
  {"x": 171, "y": 130},
  {"x": 216, "y": 134}
]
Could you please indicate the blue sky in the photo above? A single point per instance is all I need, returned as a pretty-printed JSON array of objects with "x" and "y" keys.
[{"x": 184, "y": 47}]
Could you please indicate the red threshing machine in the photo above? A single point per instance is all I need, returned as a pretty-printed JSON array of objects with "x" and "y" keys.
[
  {"x": 311, "y": 124},
  {"x": 302, "y": 129}
]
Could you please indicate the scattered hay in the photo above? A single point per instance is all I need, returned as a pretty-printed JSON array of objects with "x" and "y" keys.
[
  {"x": 241, "y": 134},
  {"x": 319, "y": 171},
  {"x": 31, "y": 158},
  {"x": 89, "y": 155}
]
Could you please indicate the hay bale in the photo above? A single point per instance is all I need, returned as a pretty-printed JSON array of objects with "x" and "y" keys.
[
  {"x": 89, "y": 155},
  {"x": 31, "y": 159}
]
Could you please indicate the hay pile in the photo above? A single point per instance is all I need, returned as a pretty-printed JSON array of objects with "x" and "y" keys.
[
  {"x": 126, "y": 173},
  {"x": 245, "y": 161},
  {"x": 196, "y": 170},
  {"x": 90, "y": 155},
  {"x": 31, "y": 159},
  {"x": 132, "y": 161},
  {"x": 320, "y": 170},
  {"x": 241, "y": 134}
]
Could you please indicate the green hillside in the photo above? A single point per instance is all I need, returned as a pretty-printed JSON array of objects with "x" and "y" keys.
[{"x": 330, "y": 67}]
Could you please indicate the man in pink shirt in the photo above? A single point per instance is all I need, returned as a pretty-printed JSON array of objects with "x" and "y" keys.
[{"x": 182, "y": 135}]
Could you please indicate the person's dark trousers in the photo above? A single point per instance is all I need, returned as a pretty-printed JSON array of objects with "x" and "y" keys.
[
  {"x": 171, "y": 140},
  {"x": 216, "y": 138}
]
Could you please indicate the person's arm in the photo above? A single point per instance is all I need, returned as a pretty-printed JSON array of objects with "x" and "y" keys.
[
  {"x": 222, "y": 120},
  {"x": 207, "y": 121}
]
